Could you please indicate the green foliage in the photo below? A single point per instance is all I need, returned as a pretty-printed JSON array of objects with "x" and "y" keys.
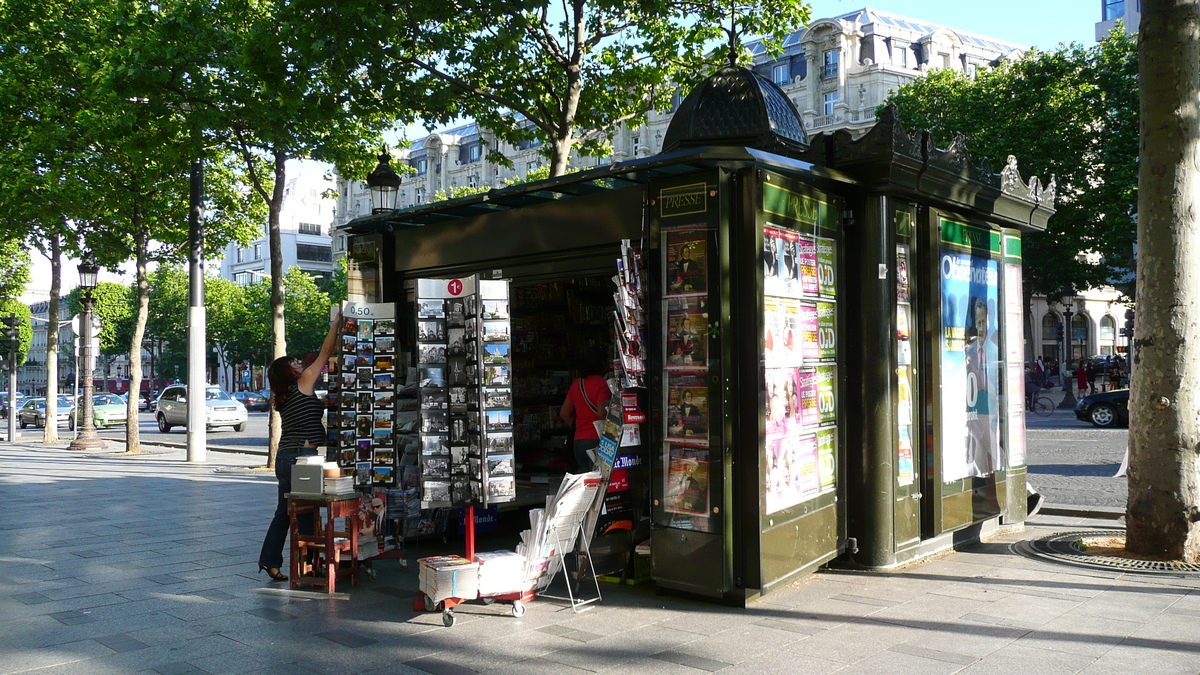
[
  {"x": 307, "y": 310},
  {"x": 1072, "y": 114},
  {"x": 14, "y": 307},
  {"x": 566, "y": 73},
  {"x": 113, "y": 304},
  {"x": 14, "y": 267}
]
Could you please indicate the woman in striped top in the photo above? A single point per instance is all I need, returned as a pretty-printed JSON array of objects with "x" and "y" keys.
[{"x": 300, "y": 412}]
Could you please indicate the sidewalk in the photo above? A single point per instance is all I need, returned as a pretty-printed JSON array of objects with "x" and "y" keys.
[{"x": 147, "y": 564}]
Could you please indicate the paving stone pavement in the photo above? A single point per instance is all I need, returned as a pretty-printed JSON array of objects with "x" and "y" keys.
[
  {"x": 1073, "y": 463},
  {"x": 117, "y": 564}
]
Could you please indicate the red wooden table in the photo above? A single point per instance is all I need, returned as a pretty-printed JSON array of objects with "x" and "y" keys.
[{"x": 316, "y": 558}]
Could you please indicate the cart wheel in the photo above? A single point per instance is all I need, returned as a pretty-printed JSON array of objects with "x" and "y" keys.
[
  {"x": 518, "y": 609},
  {"x": 372, "y": 574},
  {"x": 404, "y": 563},
  {"x": 448, "y": 618},
  {"x": 488, "y": 601},
  {"x": 430, "y": 605}
]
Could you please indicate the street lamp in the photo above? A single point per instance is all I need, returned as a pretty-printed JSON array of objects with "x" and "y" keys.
[
  {"x": 1068, "y": 402},
  {"x": 86, "y": 439},
  {"x": 385, "y": 185}
]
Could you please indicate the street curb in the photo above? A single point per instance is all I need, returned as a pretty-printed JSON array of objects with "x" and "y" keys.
[
  {"x": 1095, "y": 512},
  {"x": 178, "y": 446}
]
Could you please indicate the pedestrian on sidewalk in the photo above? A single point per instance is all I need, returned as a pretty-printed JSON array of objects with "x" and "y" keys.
[
  {"x": 1081, "y": 376},
  {"x": 293, "y": 397}
]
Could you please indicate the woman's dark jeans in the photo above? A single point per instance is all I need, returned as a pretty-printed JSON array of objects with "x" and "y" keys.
[
  {"x": 272, "y": 548},
  {"x": 584, "y": 463}
]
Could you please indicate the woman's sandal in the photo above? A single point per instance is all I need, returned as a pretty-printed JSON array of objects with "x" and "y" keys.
[{"x": 274, "y": 573}]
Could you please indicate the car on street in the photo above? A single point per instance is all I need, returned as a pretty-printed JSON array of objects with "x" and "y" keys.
[
  {"x": 33, "y": 412},
  {"x": 1106, "y": 409},
  {"x": 4, "y": 402},
  {"x": 252, "y": 400},
  {"x": 107, "y": 410},
  {"x": 220, "y": 409}
]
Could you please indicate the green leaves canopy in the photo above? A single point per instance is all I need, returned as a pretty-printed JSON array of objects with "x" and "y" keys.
[{"x": 1071, "y": 113}]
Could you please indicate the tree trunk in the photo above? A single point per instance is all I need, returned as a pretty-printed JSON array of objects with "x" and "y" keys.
[
  {"x": 278, "y": 328},
  {"x": 50, "y": 435},
  {"x": 564, "y": 139},
  {"x": 1164, "y": 435},
  {"x": 133, "y": 439}
]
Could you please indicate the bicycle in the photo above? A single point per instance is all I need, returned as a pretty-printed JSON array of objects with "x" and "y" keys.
[{"x": 1042, "y": 406}]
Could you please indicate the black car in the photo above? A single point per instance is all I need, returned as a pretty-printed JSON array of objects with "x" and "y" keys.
[
  {"x": 1108, "y": 409},
  {"x": 252, "y": 400}
]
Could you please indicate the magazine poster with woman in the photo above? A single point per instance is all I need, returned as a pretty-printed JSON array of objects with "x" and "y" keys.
[{"x": 970, "y": 361}]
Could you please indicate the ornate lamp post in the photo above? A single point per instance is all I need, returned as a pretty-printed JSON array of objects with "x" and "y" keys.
[
  {"x": 86, "y": 439},
  {"x": 385, "y": 185},
  {"x": 1068, "y": 402}
]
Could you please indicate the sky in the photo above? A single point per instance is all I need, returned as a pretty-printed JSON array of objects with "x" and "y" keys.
[{"x": 1033, "y": 23}]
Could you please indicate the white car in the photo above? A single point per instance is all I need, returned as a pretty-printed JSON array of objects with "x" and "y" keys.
[{"x": 220, "y": 409}]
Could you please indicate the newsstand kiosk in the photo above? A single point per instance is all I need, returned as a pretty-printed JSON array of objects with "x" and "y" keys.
[{"x": 833, "y": 340}]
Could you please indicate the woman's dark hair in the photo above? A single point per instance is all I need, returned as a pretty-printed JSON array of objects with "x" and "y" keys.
[
  {"x": 595, "y": 362},
  {"x": 282, "y": 377}
]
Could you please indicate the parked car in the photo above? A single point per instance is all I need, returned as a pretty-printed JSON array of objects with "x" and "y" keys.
[
  {"x": 33, "y": 411},
  {"x": 1107, "y": 409},
  {"x": 252, "y": 400},
  {"x": 4, "y": 402},
  {"x": 107, "y": 410},
  {"x": 220, "y": 409}
]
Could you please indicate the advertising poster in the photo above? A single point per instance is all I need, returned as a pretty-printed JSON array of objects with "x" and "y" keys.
[
  {"x": 806, "y": 383},
  {"x": 809, "y": 320},
  {"x": 687, "y": 332},
  {"x": 827, "y": 459},
  {"x": 806, "y": 251},
  {"x": 783, "y": 400},
  {"x": 904, "y": 467},
  {"x": 783, "y": 262},
  {"x": 970, "y": 366},
  {"x": 826, "y": 267},
  {"x": 1014, "y": 341},
  {"x": 687, "y": 409},
  {"x": 827, "y": 331},
  {"x": 827, "y": 394},
  {"x": 687, "y": 262},
  {"x": 792, "y": 475}
]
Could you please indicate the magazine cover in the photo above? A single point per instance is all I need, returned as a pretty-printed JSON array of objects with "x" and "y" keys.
[
  {"x": 687, "y": 409},
  {"x": 687, "y": 262},
  {"x": 687, "y": 486},
  {"x": 687, "y": 332}
]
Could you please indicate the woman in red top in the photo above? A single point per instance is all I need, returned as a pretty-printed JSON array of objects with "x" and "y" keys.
[{"x": 585, "y": 404}]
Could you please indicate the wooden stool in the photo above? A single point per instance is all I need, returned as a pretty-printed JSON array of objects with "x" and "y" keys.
[{"x": 315, "y": 558}]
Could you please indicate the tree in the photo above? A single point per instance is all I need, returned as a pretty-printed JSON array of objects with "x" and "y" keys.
[
  {"x": 113, "y": 305},
  {"x": 1070, "y": 113},
  {"x": 273, "y": 81},
  {"x": 1163, "y": 515},
  {"x": 567, "y": 73}
]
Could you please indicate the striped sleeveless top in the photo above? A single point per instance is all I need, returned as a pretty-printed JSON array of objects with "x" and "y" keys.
[{"x": 301, "y": 420}]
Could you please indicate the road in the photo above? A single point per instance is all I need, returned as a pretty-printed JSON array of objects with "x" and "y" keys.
[{"x": 1070, "y": 462}]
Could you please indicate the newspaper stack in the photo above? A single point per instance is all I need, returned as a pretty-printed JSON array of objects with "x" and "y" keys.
[
  {"x": 556, "y": 526},
  {"x": 448, "y": 576},
  {"x": 339, "y": 486},
  {"x": 501, "y": 573}
]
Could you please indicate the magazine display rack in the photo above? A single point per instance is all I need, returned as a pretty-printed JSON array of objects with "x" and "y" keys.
[{"x": 554, "y": 531}]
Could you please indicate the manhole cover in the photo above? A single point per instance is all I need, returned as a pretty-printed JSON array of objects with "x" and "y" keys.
[{"x": 1063, "y": 547}]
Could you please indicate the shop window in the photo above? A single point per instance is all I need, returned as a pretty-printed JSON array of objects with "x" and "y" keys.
[{"x": 314, "y": 253}]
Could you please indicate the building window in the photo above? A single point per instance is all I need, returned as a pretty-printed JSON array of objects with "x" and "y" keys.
[
  {"x": 258, "y": 251},
  {"x": 1050, "y": 327},
  {"x": 242, "y": 278},
  {"x": 1113, "y": 9},
  {"x": 313, "y": 253},
  {"x": 310, "y": 228},
  {"x": 473, "y": 180},
  {"x": 240, "y": 255},
  {"x": 532, "y": 166},
  {"x": 902, "y": 56},
  {"x": 829, "y": 69},
  {"x": 475, "y": 153},
  {"x": 422, "y": 165},
  {"x": 780, "y": 74},
  {"x": 830, "y": 99},
  {"x": 420, "y": 196}
]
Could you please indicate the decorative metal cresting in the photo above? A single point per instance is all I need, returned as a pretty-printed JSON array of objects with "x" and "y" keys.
[{"x": 1070, "y": 548}]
